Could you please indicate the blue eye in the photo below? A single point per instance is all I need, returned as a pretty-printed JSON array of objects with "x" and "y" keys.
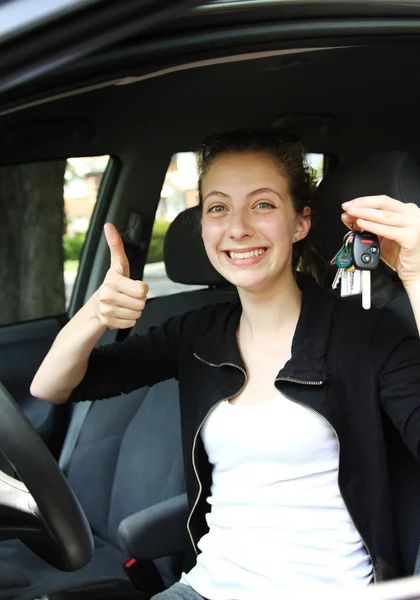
[
  {"x": 264, "y": 205},
  {"x": 217, "y": 208}
]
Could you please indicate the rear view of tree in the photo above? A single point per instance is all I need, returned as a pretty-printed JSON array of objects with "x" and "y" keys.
[{"x": 31, "y": 247}]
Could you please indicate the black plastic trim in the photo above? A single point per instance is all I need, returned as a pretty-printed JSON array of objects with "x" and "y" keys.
[
  {"x": 105, "y": 193},
  {"x": 186, "y": 48},
  {"x": 80, "y": 33}
]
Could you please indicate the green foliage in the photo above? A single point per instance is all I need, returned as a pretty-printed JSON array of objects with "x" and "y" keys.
[
  {"x": 73, "y": 246},
  {"x": 155, "y": 252}
]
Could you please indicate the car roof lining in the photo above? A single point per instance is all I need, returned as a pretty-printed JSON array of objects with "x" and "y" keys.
[
  {"x": 131, "y": 79},
  {"x": 157, "y": 49},
  {"x": 357, "y": 85}
]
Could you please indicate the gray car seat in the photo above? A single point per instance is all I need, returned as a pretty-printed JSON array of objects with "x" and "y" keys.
[
  {"x": 127, "y": 456},
  {"x": 394, "y": 174}
]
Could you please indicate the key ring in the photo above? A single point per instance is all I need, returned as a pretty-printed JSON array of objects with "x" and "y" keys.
[{"x": 348, "y": 238}]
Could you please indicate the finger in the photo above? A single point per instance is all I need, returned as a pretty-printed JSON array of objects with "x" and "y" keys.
[
  {"x": 347, "y": 220},
  {"x": 111, "y": 296},
  {"x": 380, "y": 202},
  {"x": 350, "y": 222},
  {"x": 131, "y": 287},
  {"x": 119, "y": 258},
  {"x": 387, "y": 231},
  {"x": 382, "y": 216}
]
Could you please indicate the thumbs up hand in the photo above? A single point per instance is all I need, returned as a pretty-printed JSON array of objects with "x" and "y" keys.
[{"x": 120, "y": 300}]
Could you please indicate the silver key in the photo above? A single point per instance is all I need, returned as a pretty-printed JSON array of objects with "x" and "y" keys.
[
  {"x": 337, "y": 278},
  {"x": 366, "y": 290},
  {"x": 351, "y": 282},
  {"x": 347, "y": 240}
]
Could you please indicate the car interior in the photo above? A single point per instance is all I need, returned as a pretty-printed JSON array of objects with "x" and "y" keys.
[{"x": 351, "y": 97}]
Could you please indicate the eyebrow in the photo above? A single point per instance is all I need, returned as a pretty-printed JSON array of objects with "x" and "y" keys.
[
  {"x": 250, "y": 195},
  {"x": 264, "y": 191}
]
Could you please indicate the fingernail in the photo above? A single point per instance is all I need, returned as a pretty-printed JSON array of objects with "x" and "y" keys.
[{"x": 347, "y": 204}]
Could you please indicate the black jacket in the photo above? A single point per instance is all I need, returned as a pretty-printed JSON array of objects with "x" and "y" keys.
[{"x": 347, "y": 364}]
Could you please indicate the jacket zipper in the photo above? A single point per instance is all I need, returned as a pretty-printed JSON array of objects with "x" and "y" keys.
[
  {"x": 289, "y": 379},
  {"x": 200, "y": 487}
]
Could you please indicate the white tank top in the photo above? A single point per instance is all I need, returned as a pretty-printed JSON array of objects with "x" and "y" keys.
[{"x": 278, "y": 526}]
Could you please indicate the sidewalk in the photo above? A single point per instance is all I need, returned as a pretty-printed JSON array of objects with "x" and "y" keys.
[{"x": 159, "y": 284}]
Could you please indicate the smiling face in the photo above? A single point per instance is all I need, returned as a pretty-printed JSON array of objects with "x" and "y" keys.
[{"x": 249, "y": 223}]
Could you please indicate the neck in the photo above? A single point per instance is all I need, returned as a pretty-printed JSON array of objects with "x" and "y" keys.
[{"x": 266, "y": 312}]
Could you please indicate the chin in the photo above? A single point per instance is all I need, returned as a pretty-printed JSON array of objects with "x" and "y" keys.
[{"x": 248, "y": 284}]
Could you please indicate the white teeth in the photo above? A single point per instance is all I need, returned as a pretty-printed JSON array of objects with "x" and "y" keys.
[{"x": 247, "y": 254}]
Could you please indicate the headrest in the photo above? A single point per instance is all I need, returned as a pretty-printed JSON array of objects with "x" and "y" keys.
[
  {"x": 184, "y": 254},
  {"x": 393, "y": 174}
]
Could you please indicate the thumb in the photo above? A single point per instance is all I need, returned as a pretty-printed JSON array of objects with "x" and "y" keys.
[{"x": 119, "y": 258}]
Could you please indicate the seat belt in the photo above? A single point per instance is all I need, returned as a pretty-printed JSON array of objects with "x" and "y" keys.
[{"x": 78, "y": 417}]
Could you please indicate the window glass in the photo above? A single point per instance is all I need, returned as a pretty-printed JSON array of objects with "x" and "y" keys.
[
  {"x": 46, "y": 209},
  {"x": 179, "y": 191},
  {"x": 82, "y": 178},
  {"x": 316, "y": 162}
]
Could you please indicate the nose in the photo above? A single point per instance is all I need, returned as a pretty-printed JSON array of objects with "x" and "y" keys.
[{"x": 240, "y": 226}]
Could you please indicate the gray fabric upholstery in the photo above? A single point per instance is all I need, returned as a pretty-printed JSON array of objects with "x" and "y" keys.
[
  {"x": 127, "y": 458},
  {"x": 184, "y": 246},
  {"x": 160, "y": 530},
  {"x": 24, "y": 575}
]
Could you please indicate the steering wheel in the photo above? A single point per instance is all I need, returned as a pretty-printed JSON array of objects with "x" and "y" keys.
[{"x": 41, "y": 509}]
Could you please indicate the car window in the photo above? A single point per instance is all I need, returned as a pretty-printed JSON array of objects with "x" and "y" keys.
[
  {"x": 179, "y": 191},
  {"x": 317, "y": 163},
  {"x": 46, "y": 209}
]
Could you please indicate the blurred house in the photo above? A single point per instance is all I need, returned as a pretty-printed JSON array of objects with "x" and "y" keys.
[
  {"x": 179, "y": 190},
  {"x": 82, "y": 180},
  {"x": 84, "y": 174}
]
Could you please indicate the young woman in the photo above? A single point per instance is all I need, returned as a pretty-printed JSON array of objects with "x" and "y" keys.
[{"x": 281, "y": 391}]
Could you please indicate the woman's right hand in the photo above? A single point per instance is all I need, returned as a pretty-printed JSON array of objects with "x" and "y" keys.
[{"x": 120, "y": 300}]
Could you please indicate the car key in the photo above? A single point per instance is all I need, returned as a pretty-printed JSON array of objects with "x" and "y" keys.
[
  {"x": 366, "y": 255},
  {"x": 351, "y": 282},
  {"x": 346, "y": 243},
  {"x": 343, "y": 260}
]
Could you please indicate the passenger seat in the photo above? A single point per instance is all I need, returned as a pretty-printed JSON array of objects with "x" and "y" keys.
[{"x": 128, "y": 454}]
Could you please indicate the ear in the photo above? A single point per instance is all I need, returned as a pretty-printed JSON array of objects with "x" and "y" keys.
[{"x": 303, "y": 224}]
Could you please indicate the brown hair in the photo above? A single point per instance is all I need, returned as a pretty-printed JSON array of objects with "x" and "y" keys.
[{"x": 290, "y": 156}]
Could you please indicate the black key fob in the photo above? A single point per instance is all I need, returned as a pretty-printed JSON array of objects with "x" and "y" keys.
[{"x": 366, "y": 251}]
